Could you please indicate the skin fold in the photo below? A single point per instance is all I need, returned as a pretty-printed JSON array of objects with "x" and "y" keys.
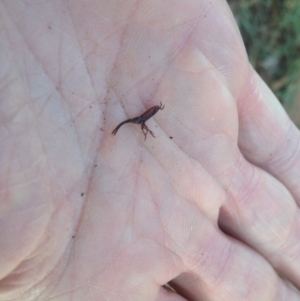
[{"x": 210, "y": 206}]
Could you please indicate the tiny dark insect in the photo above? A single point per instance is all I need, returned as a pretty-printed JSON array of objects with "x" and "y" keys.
[{"x": 141, "y": 120}]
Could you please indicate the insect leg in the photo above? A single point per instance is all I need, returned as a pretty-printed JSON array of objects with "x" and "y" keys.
[{"x": 146, "y": 130}]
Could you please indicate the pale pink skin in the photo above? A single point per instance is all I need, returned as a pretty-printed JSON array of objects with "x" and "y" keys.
[{"x": 153, "y": 211}]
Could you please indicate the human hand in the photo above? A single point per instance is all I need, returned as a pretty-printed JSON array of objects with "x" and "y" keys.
[{"x": 86, "y": 215}]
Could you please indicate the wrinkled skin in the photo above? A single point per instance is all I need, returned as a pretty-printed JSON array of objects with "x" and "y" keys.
[{"x": 210, "y": 205}]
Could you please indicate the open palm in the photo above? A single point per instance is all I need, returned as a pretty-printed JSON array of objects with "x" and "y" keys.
[{"x": 210, "y": 205}]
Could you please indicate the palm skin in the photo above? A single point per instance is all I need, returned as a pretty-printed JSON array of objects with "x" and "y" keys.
[{"x": 209, "y": 205}]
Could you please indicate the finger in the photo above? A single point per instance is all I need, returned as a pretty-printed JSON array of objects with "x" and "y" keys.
[
  {"x": 259, "y": 209},
  {"x": 224, "y": 269},
  {"x": 262, "y": 213},
  {"x": 267, "y": 137}
]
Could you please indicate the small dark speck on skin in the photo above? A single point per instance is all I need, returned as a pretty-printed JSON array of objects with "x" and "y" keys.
[
  {"x": 101, "y": 129},
  {"x": 171, "y": 137},
  {"x": 82, "y": 194},
  {"x": 90, "y": 106},
  {"x": 95, "y": 165},
  {"x": 73, "y": 236}
]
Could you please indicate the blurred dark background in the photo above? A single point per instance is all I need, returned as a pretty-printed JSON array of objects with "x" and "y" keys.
[{"x": 271, "y": 33}]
